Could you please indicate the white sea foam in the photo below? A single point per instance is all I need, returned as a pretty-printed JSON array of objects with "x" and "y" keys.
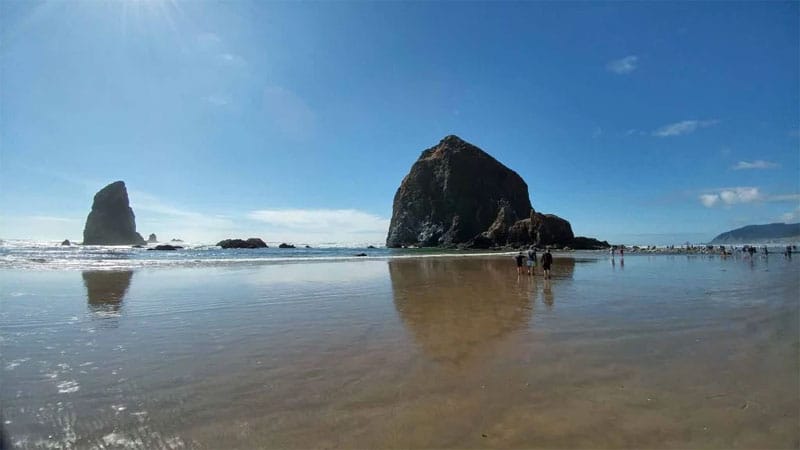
[{"x": 68, "y": 387}]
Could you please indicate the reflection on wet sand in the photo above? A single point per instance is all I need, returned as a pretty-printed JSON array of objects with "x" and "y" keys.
[
  {"x": 455, "y": 308},
  {"x": 105, "y": 290}
]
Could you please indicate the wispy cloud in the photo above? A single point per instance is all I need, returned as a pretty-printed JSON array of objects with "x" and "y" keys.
[
  {"x": 624, "y": 65},
  {"x": 683, "y": 127},
  {"x": 231, "y": 59},
  {"x": 791, "y": 216},
  {"x": 730, "y": 196},
  {"x": 288, "y": 111},
  {"x": 757, "y": 164},
  {"x": 783, "y": 198},
  {"x": 156, "y": 215},
  {"x": 742, "y": 194},
  {"x": 218, "y": 100},
  {"x": 322, "y": 220},
  {"x": 210, "y": 41}
]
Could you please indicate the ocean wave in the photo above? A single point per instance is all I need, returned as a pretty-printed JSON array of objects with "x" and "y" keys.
[{"x": 49, "y": 256}]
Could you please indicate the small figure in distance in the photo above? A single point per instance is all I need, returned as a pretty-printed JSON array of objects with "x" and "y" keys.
[
  {"x": 519, "y": 258},
  {"x": 531, "y": 260},
  {"x": 547, "y": 260},
  {"x": 613, "y": 251},
  {"x": 621, "y": 251}
]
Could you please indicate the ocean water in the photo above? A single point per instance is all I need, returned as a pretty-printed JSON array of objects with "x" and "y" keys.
[
  {"x": 120, "y": 349},
  {"x": 51, "y": 255}
]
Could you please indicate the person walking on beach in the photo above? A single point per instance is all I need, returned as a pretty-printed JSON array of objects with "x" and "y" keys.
[
  {"x": 531, "y": 260},
  {"x": 547, "y": 260},
  {"x": 519, "y": 258}
]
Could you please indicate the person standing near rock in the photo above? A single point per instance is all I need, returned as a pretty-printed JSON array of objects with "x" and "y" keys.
[
  {"x": 547, "y": 261},
  {"x": 531, "y": 260},
  {"x": 519, "y": 258}
]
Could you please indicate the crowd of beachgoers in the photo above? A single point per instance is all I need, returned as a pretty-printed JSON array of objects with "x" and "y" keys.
[{"x": 724, "y": 250}]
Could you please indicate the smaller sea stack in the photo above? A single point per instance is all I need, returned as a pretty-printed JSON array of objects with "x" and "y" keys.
[{"x": 111, "y": 221}]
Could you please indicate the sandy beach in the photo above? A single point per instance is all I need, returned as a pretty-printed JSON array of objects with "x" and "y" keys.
[{"x": 658, "y": 352}]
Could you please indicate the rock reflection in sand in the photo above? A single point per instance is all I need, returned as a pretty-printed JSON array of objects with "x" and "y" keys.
[
  {"x": 105, "y": 291},
  {"x": 456, "y": 309}
]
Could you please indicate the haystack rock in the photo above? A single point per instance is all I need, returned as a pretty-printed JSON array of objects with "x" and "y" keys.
[
  {"x": 152, "y": 239},
  {"x": 111, "y": 221},
  {"x": 458, "y": 195},
  {"x": 452, "y": 194}
]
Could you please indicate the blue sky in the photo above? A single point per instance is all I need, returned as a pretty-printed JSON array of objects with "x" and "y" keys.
[{"x": 637, "y": 122}]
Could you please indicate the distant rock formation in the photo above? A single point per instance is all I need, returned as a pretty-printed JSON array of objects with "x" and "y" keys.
[
  {"x": 176, "y": 240},
  {"x": 453, "y": 193},
  {"x": 111, "y": 221},
  {"x": 66, "y": 242},
  {"x": 757, "y": 234},
  {"x": 152, "y": 239},
  {"x": 285, "y": 245},
  {"x": 586, "y": 243},
  {"x": 166, "y": 247},
  {"x": 458, "y": 195},
  {"x": 239, "y": 243}
]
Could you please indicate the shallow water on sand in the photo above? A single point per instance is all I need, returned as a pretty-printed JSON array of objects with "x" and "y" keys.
[{"x": 658, "y": 351}]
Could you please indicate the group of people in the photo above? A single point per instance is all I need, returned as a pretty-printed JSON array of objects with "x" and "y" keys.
[{"x": 547, "y": 261}]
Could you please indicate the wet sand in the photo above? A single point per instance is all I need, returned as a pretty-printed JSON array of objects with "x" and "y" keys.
[{"x": 658, "y": 352}]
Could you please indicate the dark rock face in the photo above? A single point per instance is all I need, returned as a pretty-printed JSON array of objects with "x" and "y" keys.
[
  {"x": 585, "y": 243},
  {"x": 454, "y": 192},
  {"x": 111, "y": 221},
  {"x": 551, "y": 230},
  {"x": 239, "y": 243},
  {"x": 285, "y": 245},
  {"x": 166, "y": 247},
  {"x": 152, "y": 239},
  {"x": 66, "y": 242}
]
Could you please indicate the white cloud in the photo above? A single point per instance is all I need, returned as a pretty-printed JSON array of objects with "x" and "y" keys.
[
  {"x": 290, "y": 113},
  {"x": 321, "y": 226},
  {"x": 731, "y": 196},
  {"x": 322, "y": 220},
  {"x": 683, "y": 127},
  {"x": 156, "y": 216},
  {"x": 709, "y": 200},
  {"x": 623, "y": 66},
  {"x": 757, "y": 164}
]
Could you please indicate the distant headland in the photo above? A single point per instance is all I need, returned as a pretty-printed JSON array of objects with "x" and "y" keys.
[{"x": 760, "y": 234}]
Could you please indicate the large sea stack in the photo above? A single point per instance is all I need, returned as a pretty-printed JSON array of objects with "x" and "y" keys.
[
  {"x": 458, "y": 195},
  {"x": 111, "y": 221}
]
